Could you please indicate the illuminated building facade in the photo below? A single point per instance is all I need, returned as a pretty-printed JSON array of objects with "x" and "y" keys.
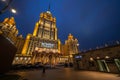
[
  {"x": 70, "y": 47},
  {"x": 19, "y": 58},
  {"x": 43, "y": 45},
  {"x": 10, "y": 32},
  {"x": 19, "y": 44},
  {"x": 106, "y": 59}
]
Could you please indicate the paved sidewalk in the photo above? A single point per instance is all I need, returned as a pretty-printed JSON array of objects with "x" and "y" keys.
[{"x": 66, "y": 74}]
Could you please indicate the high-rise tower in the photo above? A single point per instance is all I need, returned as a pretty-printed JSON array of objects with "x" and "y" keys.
[
  {"x": 45, "y": 28},
  {"x": 43, "y": 44},
  {"x": 70, "y": 47}
]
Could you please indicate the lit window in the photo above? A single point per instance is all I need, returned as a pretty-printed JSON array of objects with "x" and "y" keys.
[
  {"x": 16, "y": 58},
  {"x": 29, "y": 58},
  {"x": 98, "y": 57},
  {"x": 21, "y": 58},
  {"x": 25, "y": 58},
  {"x": 107, "y": 57},
  {"x": 91, "y": 59}
]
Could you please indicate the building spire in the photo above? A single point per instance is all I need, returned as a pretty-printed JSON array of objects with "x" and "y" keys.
[{"x": 49, "y": 7}]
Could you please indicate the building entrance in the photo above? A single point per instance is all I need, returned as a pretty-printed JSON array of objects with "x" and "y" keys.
[
  {"x": 103, "y": 66},
  {"x": 117, "y": 62}
]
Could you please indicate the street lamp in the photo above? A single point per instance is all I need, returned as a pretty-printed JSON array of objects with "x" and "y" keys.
[
  {"x": 77, "y": 47},
  {"x": 6, "y": 7},
  {"x": 13, "y": 11},
  {"x": 77, "y": 44}
]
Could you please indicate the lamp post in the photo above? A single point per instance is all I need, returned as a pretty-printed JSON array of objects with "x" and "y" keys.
[
  {"x": 6, "y": 7},
  {"x": 13, "y": 11}
]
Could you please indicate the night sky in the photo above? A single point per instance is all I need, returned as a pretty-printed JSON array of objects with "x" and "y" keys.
[{"x": 92, "y": 22}]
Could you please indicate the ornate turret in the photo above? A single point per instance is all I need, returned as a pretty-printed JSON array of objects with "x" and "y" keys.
[
  {"x": 9, "y": 21},
  {"x": 71, "y": 47},
  {"x": 70, "y": 36}
]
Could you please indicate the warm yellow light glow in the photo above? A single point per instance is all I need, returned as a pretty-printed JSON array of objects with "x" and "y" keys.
[
  {"x": 13, "y": 11},
  {"x": 16, "y": 58},
  {"x": 59, "y": 45},
  {"x": 24, "y": 50},
  {"x": 91, "y": 59},
  {"x": 21, "y": 58},
  {"x": 1, "y": 32},
  {"x": 71, "y": 56},
  {"x": 107, "y": 57},
  {"x": 35, "y": 30},
  {"x": 29, "y": 58},
  {"x": 98, "y": 57},
  {"x": 36, "y": 48},
  {"x": 77, "y": 44}
]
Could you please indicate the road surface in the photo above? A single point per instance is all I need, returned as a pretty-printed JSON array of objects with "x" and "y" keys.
[{"x": 66, "y": 74}]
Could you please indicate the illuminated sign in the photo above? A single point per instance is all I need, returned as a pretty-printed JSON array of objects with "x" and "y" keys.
[
  {"x": 47, "y": 45},
  {"x": 78, "y": 57}
]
